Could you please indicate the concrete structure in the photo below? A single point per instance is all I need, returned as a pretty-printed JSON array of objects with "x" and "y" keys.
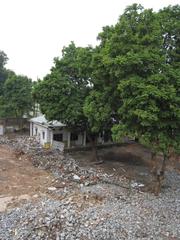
[
  {"x": 55, "y": 134},
  {"x": 11, "y": 125},
  {"x": 1, "y": 130}
]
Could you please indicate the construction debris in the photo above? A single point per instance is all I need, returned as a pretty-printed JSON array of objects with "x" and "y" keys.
[{"x": 87, "y": 203}]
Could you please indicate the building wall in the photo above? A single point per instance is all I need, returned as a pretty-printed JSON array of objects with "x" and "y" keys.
[
  {"x": 44, "y": 135},
  {"x": 65, "y": 133},
  {"x": 1, "y": 130},
  {"x": 14, "y": 124},
  {"x": 41, "y": 133},
  {"x": 79, "y": 141}
]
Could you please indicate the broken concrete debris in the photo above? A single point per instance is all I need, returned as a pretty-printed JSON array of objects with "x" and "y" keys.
[
  {"x": 94, "y": 206},
  {"x": 64, "y": 167}
]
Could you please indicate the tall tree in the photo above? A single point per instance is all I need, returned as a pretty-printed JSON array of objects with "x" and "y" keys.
[
  {"x": 3, "y": 73},
  {"x": 17, "y": 97},
  {"x": 101, "y": 104},
  {"x": 69, "y": 84},
  {"x": 146, "y": 61},
  {"x": 62, "y": 93},
  {"x": 131, "y": 79}
]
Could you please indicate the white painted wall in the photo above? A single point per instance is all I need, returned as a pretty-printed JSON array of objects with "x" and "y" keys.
[
  {"x": 48, "y": 135},
  {"x": 41, "y": 138},
  {"x": 1, "y": 130}
]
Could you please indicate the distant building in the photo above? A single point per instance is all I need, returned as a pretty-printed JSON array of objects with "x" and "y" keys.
[{"x": 55, "y": 134}]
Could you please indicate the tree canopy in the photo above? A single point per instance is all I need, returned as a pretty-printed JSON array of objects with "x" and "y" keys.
[
  {"x": 3, "y": 73},
  {"x": 149, "y": 77},
  {"x": 130, "y": 82},
  {"x": 62, "y": 92},
  {"x": 15, "y": 92},
  {"x": 17, "y": 96}
]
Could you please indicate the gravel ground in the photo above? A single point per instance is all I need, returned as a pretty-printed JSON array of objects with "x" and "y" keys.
[{"x": 95, "y": 207}]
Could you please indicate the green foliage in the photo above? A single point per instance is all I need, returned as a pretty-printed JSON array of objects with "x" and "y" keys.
[
  {"x": 130, "y": 80},
  {"x": 60, "y": 99},
  {"x": 62, "y": 93},
  {"x": 97, "y": 111},
  {"x": 16, "y": 100},
  {"x": 145, "y": 62},
  {"x": 15, "y": 92},
  {"x": 3, "y": 72},
  {"x": 170, "y": 25}
]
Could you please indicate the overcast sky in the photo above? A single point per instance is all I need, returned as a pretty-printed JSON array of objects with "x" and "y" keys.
[{"x": 33, "y": 32}]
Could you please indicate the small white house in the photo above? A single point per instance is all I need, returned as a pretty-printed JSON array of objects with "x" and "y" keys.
[{"x": 55, "y": 134}]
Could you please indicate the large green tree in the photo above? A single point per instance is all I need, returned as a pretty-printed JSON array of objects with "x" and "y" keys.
[
  {"x": 131, "y": 79},
  {"x": 62, "y": 93},
  {"x": 69, "y": 94},
  {"x": 146, "y": 61},
  {"x": 15, "y": 92},
  {"x": 101, "y": 104},
  {"x": 17, "y": 96}
]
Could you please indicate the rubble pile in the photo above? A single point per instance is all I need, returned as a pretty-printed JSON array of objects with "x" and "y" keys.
[
  {"x": 96, "y": 206},
  {"x": 63, "y": 166},
  {"x": 21, "y": 143}
]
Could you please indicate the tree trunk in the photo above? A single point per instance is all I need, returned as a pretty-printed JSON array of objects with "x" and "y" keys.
[
  {"x": 160, "y": 175},
  {"x": 93, "y": 141},
  {"x": 153, "y": 162},
  {"x": 165, "y": 158},
  {"x": 94, "y": 151}
]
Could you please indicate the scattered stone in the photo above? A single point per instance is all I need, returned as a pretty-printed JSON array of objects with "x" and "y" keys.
[
  {"x": 137, "y": 185},
  {"x": 52, "y": 188},
  {"x": 76, "y": 177},
  {"x": 90, "y": 204}
]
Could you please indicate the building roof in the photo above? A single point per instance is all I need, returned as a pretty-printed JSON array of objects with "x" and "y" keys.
[{"x": 43, "y": 121}]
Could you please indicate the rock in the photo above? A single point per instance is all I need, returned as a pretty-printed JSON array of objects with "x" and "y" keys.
[
  {"x": 76, "y": 177},
  {"x": 136, "y": 185},
  {"x": 52, "y": 188},
  {"x": 70, "y": 215}
]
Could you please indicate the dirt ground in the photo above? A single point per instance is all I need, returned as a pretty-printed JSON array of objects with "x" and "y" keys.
[
  {"x": 19, "y": 179},
  {"x": 132, "y": 161}
]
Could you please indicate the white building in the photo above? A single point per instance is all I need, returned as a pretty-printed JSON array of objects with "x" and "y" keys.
[{"x": 55, "y": 134}]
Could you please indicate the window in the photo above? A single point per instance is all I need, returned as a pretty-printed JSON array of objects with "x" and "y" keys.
[
  {"x": 43, "y": 135},
  {"x": 58, "y": 137},
  {"x": 74, "y": 137},
  {"x": 36, "y": 130}
]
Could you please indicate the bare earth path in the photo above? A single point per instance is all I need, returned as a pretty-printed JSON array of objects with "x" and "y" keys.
[{"x": 19, "y": 179}]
